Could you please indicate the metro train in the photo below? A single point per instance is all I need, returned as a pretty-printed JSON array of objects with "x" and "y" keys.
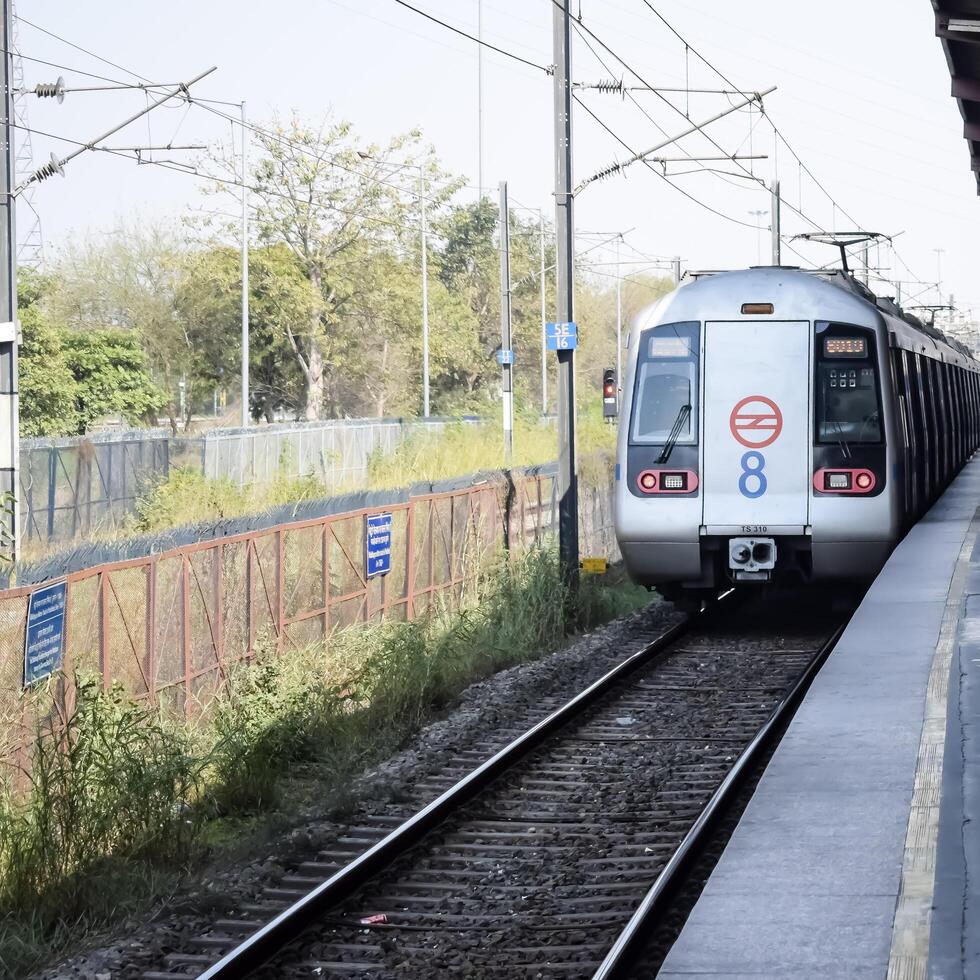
[{"x": 780, "y": 424}]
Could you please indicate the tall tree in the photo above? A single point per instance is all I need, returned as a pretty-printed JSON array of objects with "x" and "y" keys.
[
  {"x": 335, "y": 203},
  {"x": 48, "y": 390},
  {"x": 112, "y": 376},
  {"x": 280, "y": 298},
  {"x": 128, "y": 279}
]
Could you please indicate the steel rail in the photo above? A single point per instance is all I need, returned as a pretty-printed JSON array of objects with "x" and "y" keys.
[
  {"x": 279, "y": 932},
  {"x": 656, "y": 903}
]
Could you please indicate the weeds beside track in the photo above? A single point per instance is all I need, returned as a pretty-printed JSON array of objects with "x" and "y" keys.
[{"x": 127, "y": 800}]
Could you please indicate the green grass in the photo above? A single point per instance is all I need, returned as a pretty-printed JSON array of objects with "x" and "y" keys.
[
  {"x": 128, "y": 800},
  {"x": 187, "y": 497}
]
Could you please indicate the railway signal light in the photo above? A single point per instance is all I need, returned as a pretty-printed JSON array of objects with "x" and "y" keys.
[{"x": 610, "y": 396}]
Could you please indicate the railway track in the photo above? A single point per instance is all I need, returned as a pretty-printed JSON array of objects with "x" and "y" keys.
[{"x": 547, "y": 859}]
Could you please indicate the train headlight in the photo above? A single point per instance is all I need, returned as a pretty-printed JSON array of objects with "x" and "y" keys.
[
  {"x": 845, "y": 482},
  {"x": 741, "y": 554},
  {"x": 673, "y": 481},
  {"x": 648, "y": 481}
]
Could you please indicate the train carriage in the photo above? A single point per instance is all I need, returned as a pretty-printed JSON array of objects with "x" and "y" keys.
[{"x": 782, "y": 424}]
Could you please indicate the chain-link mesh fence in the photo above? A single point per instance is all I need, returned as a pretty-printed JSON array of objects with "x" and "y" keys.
[{"x": 73, "y": 487}]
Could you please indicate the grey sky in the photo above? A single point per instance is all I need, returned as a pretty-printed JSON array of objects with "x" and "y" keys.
[{"x": 862, "y": 96}]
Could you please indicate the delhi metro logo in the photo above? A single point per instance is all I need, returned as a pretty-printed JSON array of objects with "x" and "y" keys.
[{"x": 756, "y": 422}]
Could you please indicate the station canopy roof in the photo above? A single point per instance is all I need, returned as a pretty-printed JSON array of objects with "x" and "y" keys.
[{"x": 958, "y": 27}]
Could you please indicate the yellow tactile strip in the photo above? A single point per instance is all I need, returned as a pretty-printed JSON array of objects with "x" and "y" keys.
[{"x": 913, "y": 912}]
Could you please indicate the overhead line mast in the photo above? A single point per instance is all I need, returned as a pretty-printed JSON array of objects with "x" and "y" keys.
[
  {"x": 564, "y": 296},
  {"x": 9, "y": 406}
]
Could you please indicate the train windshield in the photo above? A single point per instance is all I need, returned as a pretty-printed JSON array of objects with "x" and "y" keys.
[
  {"x": 666, "y": 405},
  {"x": 847, "y": 390}
]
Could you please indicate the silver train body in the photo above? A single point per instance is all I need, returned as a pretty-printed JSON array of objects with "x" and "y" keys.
[{"x": 781, "y": 424}]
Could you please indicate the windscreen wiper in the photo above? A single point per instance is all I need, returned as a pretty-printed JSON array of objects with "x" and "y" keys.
[
  {"x": 683, "y": 414},
  {"x": 845, "y": 446}
]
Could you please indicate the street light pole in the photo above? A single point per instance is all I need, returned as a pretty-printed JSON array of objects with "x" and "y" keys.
[
  {"x": 479, "y": 99},
  {"x": 619, "y": 317},
  {"x": 544, "y": 323},
  {"x": 506, "y": 343},
  {"x": 246, "y": 413},
  {"x": 424, "y": 223},
  {"x": 425, "y": 296}
]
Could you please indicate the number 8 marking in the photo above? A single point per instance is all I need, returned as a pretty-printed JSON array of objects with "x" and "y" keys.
[{"x": 753, "y": 464}]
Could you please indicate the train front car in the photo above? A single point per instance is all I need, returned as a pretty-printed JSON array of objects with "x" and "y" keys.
[{"x": 754, "y": 441}]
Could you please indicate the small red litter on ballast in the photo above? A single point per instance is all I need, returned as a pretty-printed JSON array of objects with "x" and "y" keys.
[{"x": 373, "y": 920}]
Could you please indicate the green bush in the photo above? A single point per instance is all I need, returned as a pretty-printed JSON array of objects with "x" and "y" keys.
[{"x": 110, "y": 791}]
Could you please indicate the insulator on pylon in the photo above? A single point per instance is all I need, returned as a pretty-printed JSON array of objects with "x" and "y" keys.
[
  {"x": 52, "y": 167},
  {"x": 608, "y": 172},
  {"x": 51, "y": 90},
  {"x": 610, "y": 86}
]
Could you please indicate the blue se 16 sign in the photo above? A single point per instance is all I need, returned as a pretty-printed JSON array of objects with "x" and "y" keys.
[
  {"x": 561, "y": 336},
  {"x": 377, "y": 544},
  {"x": 44, "y": 639}
]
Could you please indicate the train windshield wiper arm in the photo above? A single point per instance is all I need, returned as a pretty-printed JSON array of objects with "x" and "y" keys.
[
  {"x": 683, "y": 414},
  {"x": 845, "y": 446}
]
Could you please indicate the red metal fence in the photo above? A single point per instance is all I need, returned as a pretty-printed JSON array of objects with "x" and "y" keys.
[{"x": 167, "y": 626}]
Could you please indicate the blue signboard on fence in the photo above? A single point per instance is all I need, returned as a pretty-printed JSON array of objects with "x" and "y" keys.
[
  {"x": 562, "y": 336},
  {"x": 44, "y": 641},
  {"x": 377, "y": 544}
]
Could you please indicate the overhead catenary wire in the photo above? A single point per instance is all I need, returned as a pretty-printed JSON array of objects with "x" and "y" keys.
[
  {"x": 595, "y": 54},
  {"x": 776, "y": 130},
  {"x": 654, "y": 170},
  {"x": 78, "y": 47},
  {"x": 198, "y": 101},
  {"x": 284, "y": 140},
  {"x": 56, "y": 165},
  {"x": 725, "y": 175},
  {"x": 778, "y": 133},
  {"x": 476, "y": 40},
  {"x": 676, "y": 109},
  {"x": 192, "y": 171}
]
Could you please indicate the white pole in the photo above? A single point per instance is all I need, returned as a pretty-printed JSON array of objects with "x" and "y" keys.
[
  {"x": 479, "y": 99},
  {"x": 506, "y": 343},
  {"x": 619, "y": 317},
  {"x": 246, "y": 414},
  {"x": 544, "y": 324},
  {"x": 425, "y": 298}
]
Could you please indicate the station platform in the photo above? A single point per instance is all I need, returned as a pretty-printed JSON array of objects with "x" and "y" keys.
[{"x": 858, "y": 856}]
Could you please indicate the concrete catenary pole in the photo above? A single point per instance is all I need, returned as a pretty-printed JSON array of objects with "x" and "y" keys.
[
  {"x": 677, "y": 270},
  {"x": 506, "y": 347},
  {"x": 246, "y": 413},
  {"x": 774, "y": 211},
  {"x": 9, "y": 407},
  {"x": 865, "y": 263},
  {"x": 564, "y": 299},
  {"x": 425, "y": 295}
]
